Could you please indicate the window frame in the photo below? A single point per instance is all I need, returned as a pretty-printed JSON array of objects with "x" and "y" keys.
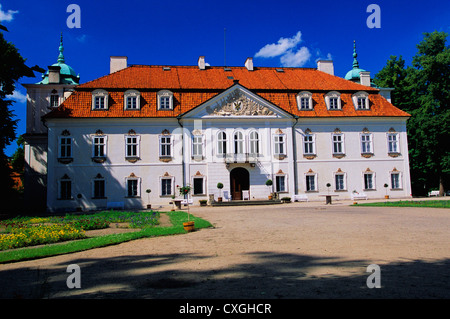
[
  {"x": 222, "y": 143},
  {"x": 277, "y": 143},
  {"x": 284, "y": 183},
  {"x": 400, "y": 180},
  {"x": 356, "y": 97},
  {"x": 198, "y": 141},
  {"x": 238, "y": 143},
  {"x": 304, "y": 96},
  {"x": 333, "y": 95},
  {"x": 373, "y": 181},
  {"x": 57, "y": 96},
  {"x": 131, "y": 94},
  {"x": 314, "y": 179},
  {"x": 94, "y": 181},
  {"x": 254, "y": 142},
  {"x": 172, "y": 186},
  {"x": 165, "y": 145},
  {"x": 203, "y": 178},
  {"x": 344, "y": 181},
  {"x": 341, "y": 143},
  {"x": 60, "y": 147},
  {"x": 138, "y": 187},
  {"x": 165, "y": 94},
  {"x": 312, "y": 144},
  {"x": 138, "y": 140},
  {"x": 366, "y": 145},
  {"x": 393, "y": 142},
  {"x": 94, "y": 145},
  {"x": 68, "y": 195},
  {"x": 101, "y": 95}
]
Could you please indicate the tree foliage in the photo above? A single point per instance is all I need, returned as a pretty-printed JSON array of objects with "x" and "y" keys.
[{"x": 423, "y": 90}]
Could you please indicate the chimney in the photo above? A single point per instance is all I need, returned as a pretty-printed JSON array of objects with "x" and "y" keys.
[
  {"x": 201, "y": 63},
  {"x": 325, "y": 66},
  {"x": 364, "y": 78},
  {"x": 117, "y": 63},
  {"x": 249, "y": 64},
  {"x": 53, "y": 74}
]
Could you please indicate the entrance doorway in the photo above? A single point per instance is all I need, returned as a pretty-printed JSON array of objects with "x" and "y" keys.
[{"x": 239, "y": 181}]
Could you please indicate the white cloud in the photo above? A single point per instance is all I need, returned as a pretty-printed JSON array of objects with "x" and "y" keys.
[
  {"x": 19, "y": 97},
  {"x": 295, "y": 59},
  {"x": 281, "y": 47},
  {"x": 7, "y": 16}
]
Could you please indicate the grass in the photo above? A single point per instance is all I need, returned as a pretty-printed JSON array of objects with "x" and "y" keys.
[
  {"x": 410, "y": 203},
  {"x": 177, "y": 218}
]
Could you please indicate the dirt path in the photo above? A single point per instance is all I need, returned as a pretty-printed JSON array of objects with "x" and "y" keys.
[{"x": 297, "y": 250}]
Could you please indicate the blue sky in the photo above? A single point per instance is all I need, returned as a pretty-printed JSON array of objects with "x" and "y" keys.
[{"x": 175, "y": 32}]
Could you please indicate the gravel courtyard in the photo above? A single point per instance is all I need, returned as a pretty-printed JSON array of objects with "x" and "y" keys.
[{"x": 297, "y": 250}]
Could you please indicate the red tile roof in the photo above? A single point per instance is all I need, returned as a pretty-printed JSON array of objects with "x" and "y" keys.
[{"x": 192, "y": 86}]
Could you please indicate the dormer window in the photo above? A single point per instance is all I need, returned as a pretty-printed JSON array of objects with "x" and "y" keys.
[
  {"x": 304, "y": 101},
  {"x": 361, "y": 100},
  {"x": 131, "y": 99},
  {"x": 99, "y": 100},
  {"x": 165, "y": 100},
  {"x": 333, "y": 100}
]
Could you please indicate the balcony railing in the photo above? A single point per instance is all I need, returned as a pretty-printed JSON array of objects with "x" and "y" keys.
[{"x": 241, "y": 158}]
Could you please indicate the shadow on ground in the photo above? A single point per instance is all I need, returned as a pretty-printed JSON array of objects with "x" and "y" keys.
[{"x": 269, "y": 275}]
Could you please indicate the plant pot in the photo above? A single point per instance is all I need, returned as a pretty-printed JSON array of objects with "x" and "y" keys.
[
  {"x": 270, "y": 197},
  {"x": 188, "y": 226},
  {"x": 386, "y": 196},
  {"x": 219, "y": 199}
]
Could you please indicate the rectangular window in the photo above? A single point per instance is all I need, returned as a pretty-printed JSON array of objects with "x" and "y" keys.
[
  {"x": 198, "y": 185},
  {"x": 334, "y": 105},
  {"x": 99, "y": 188},
  {"x": 132, "y": 102},
  {"x": 221, "y": 143},
  {"x": 132, "y": 188},
  {"x": 339, "y": 182},
  {"x": 395, "y": 181},
  {"x": 280, "y": 183},
  {"x": 279, "y": 148},
  {"x": 99, "y": 103},
  {"x": 197, "y": 146},
  {"x": 166, "y": 186},
  {"x": 366, "y": 143},
  {"x": 164, "y": 102},
  {"x": 65, "y": 147},
  {"x": 361, "y": 103},
  {"x": 338, "y": 144},
  {"x": 310, "y": 183},
  {"x": 54, "y": 100},
  {"x": 309, "y": 144},
  {"x": 99, "y": 144},
  {"x": 369, "y": 181},
  {"x": 132, "y": 146},
  {"x": 304, "y": 103},
  {"x": 65, "y": 189},
  {"x": 165, "y": 146},
  {"x": 393, "y": 143}
]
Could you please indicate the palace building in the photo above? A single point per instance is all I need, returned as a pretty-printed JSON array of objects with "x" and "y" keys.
[{"x": 153, "y": 127}]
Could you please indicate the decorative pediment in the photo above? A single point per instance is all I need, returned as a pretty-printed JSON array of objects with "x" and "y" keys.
[{"x": 237, "y": 101}]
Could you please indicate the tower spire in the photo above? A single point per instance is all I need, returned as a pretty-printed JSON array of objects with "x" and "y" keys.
[
  {"x": 355, "y": 55},
  {"x": 61, "y": 49}
]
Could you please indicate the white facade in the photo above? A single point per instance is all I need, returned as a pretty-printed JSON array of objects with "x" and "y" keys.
[{"x": 96, "y": 161}]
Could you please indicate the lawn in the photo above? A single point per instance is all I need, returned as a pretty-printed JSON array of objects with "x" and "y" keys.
[
  {"x": 410, "y": 203},
  {"x": 25, "y": 238}
]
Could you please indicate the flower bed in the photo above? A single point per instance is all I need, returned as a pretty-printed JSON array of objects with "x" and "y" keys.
[{"x": 39, "y": 234}]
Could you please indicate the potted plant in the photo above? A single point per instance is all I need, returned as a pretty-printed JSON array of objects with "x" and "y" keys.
[
  {"x": 220, "y": 186},
  {"x": 202, "y": 202},
  {"x": 286, "y": 199},
  {"x": 268, "y": 184},
  {"x": 148, "y": 191},
  {"x": 386, "y": 186},
  {"x": 184, "y": 191}
]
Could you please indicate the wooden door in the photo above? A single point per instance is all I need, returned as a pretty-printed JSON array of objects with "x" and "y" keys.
[{"x": 239, "y": 181}]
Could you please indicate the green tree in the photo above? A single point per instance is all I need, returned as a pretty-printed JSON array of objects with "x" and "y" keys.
[
  {"x": 12, "y": 68},
  {"x": 423, "y": 90}
]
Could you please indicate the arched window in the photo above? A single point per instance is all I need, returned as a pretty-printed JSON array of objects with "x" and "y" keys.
[
  {"x": 254, "y": 142},
  {"x": 221, "y": 143},
  {"x": 238, "y": 143}
]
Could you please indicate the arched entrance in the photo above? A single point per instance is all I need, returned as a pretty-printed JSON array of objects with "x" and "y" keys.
[{"x": 239, "y": 181}]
